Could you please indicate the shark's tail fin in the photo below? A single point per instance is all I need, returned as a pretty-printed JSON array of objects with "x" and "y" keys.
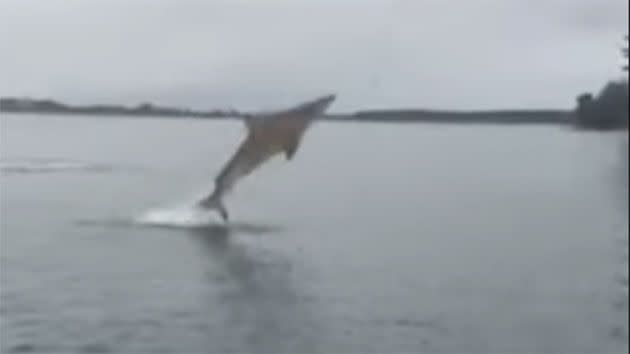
[{"x": 214, "y": 202}]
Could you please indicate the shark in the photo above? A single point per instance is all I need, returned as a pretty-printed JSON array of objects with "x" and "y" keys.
[{"x": 268, "y": 135}]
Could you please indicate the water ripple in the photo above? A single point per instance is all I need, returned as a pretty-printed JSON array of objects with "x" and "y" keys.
[{"x": 51, "y": 165}]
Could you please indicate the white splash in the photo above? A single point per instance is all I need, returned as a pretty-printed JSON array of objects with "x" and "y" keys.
[
  {"x": 178, "y": 216},
  {"x": 181, "y": 213}
]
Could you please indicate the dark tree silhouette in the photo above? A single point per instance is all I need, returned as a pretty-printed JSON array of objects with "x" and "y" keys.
[
  {"x": 625, "y": 54},
  {"x": 609, "y": 110}
]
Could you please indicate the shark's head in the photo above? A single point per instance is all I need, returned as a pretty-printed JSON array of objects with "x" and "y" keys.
[{"x": 316, "y": 107}]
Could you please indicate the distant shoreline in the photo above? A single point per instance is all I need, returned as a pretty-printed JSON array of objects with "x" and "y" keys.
[
  {"x": 522, "y": 118},
  {"x": 147, "y": 110}
]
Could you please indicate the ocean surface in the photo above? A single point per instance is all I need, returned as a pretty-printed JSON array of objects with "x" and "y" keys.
[{"x": 381, "y": 238}]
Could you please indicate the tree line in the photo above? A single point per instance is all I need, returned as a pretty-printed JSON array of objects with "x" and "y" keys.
[{"x": 609, "y": 108}]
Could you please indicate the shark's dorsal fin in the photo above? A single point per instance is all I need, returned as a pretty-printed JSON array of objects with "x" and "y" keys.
[{"x": 248, "y": 119}]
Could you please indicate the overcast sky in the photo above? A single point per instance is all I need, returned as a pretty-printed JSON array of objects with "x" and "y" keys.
[{"x": 472, "y": 54}]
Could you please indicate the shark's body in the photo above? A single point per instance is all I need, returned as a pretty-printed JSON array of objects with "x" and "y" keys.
[{"x": 268, "y": 135}]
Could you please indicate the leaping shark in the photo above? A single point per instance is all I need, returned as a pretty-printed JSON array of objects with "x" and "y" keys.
[{"x": 268, "y": 135}]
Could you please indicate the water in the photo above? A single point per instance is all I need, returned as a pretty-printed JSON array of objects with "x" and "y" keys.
[{"x": 375, "y": 238}]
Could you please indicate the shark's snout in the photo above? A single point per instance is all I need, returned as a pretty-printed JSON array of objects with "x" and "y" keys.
[
  {"x": 318, "y": 106},
  {"x": 325, "y": 102}
]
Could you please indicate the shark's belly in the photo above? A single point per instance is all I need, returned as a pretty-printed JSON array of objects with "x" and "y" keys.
[
  {"x": 274, "y": 139},
  {"x": 264, "y": 145}
]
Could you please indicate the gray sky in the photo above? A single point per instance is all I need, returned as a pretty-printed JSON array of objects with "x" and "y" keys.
[{"x": 472, "y": 54}]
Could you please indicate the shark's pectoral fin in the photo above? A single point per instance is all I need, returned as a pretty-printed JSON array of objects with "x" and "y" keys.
[{"x": 290, "y": 149}]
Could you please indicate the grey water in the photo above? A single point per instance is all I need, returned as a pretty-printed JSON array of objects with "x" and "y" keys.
[{"x": 375, "y": 238}]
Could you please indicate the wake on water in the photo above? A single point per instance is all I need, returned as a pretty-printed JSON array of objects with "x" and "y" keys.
[
  {"x": 43, "y": 165},
  {"x": 183, "y": 215}
]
